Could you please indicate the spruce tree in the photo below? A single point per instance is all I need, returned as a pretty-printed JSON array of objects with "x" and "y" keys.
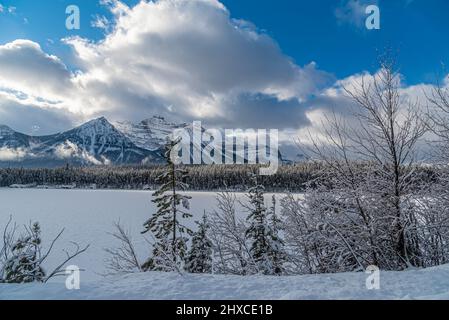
[
  {"x": 263, "y": 234},
  {"x": 258, "y": 231},
  {"x": 199, "y": 259},
  {"x": 169, "y": 233}
]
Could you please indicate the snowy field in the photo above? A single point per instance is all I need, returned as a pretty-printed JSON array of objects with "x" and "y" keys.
[
  {"x": 88, "y": 217},
  {"x": 415, "y": 284}
]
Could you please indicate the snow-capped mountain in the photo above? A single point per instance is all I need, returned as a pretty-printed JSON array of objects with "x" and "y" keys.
[
  {"x": 12, "y": 139},
  {"x": 93, "y": 143},
  {"x": 150, "y": 133}
]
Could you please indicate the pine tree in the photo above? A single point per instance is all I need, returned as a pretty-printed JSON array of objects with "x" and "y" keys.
[
  {"x": 24, "y": 265},
  {"x": 169, "y": 233},
  {"x": 199, "y": 259}
]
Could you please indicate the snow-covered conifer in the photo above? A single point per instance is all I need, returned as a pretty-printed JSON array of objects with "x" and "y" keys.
[
  {"x": 169, "y": 233},
  {"x": 199, "y": 259},
  {"x": 24, "y": 265},
  {"x": 266, "y": 247}
]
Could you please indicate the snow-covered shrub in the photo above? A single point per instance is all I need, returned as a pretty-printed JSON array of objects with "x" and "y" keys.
[
  {"x": 25, "y": 263},
  {"x": 22, "y": 258},
  {"x": 360, "y": 209},
  {"x": 431, "y": 229}
]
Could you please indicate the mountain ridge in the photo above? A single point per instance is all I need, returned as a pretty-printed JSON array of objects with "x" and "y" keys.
[
  {"x": 92, "y": 143},
  {"x": 95, "y": 142}
]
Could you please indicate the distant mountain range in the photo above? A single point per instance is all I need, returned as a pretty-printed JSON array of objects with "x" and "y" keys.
[
  {"x": 97, "y": 142},
  {"x": 93, "y": 143}
]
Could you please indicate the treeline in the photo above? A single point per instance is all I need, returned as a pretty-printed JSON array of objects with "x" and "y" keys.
[
  {"x": 211, "y": 177},
  {"x": 291, "y": 178}
]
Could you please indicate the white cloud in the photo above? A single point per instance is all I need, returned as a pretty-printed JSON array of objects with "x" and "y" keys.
[
  {"x": 335, "y": 100},
  {"x": 66, "y": 150},
  {"x": 26, "y": 68},
  {"x": 101, "y": 22},
  {"x": 25, "y": 115},
  {"x": 10, "y": 9},
  {"x": 182, "y": 59},
  {"x": 187, "y": 58},
  {"x": 70, "y": 150},
  {"x": 9, "y": 154}
]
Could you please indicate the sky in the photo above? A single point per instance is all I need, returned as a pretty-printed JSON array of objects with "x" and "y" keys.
[
  {"x": 233, "y": 64},
  {"x": 305, "y": 30}
]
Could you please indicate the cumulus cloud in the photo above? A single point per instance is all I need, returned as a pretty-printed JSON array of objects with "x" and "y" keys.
[
  {"x": 187, "y": 60},
  {"x": 26, "y": 68}
]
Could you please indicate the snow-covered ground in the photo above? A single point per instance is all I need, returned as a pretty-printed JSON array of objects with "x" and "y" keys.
[
  {"x": 88, "y": 217},
  {"x": 414, "y": 284}
]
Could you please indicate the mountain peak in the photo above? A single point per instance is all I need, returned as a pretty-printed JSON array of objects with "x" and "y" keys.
[
  {"x": 102, "y": 120},
  {"x": 150, "y": 133},
  {"x": 5, "y": 129},
  {"x": 154, "y": 120},
  {"x": 99, "y": 123},
  {"x": 3, "y": 126}
]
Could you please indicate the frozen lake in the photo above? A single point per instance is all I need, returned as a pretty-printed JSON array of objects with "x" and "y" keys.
[{"x": 88, "y": 217}]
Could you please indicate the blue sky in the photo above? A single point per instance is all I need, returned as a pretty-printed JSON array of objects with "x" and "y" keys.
[
  {"x": 305, "y": 30},
  {"x": 309, "y": 30},
  {"x": 230, "y": 63}
]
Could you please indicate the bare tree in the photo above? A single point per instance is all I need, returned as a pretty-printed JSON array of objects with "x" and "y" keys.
[
  {"x": 298, "y": 233},
  {"x": 8, "y": 237},
  {"x": 232, "y": 253},
  {"x": 361, "y": 204},
  {"x": 438, "y": 118},
  {"x": 123, "y": 259},
  {"x": 59, "y": 270},
  {"x": 390, "y": 128}
]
